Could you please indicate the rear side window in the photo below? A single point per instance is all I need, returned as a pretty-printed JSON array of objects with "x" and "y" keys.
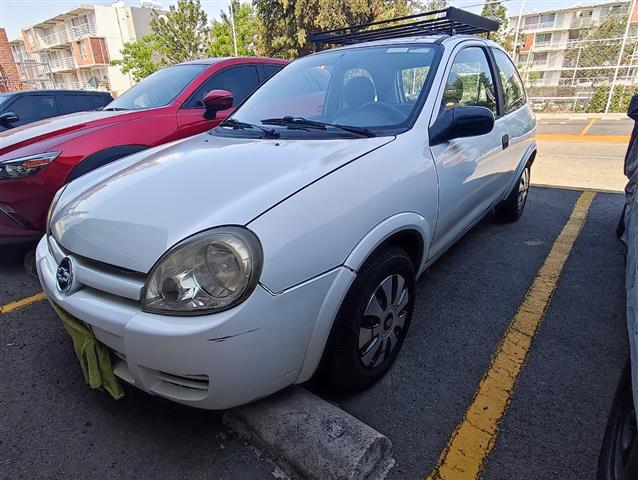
[
  {"x": 34, "y": 107},
  {"x": 240, "y": 81},
  {"x": 513, "y": 90},
  {"x": 270, "y": 70},
  {"x": 70, "y": 103},
  {"x": 470, "y": 82},
  {"x": 411, "y": 81}
]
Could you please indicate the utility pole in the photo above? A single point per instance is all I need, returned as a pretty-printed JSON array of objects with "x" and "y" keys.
[
  {"x": 620, "y": 55},
  {"x": 518, "y": 28},
  {"x": 232, "y": 24}
]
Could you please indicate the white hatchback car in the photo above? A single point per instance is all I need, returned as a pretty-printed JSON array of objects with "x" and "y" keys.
[{"x": 222, "y": 268}]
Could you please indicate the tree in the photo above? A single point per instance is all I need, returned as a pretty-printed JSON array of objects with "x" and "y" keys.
[
  {"x": 140, "y": 58},
  {"x": 183, "y": 33},
  {"x": 180, "y": 35},
  {"x": 245, "y": 28},
  {"x": 284, "y": 25}
]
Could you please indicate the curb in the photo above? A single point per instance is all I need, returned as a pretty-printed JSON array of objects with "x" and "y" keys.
[{"x": 310, "y": 438}]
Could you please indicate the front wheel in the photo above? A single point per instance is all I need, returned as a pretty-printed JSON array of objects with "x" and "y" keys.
[
  {"x": 510, "y": 209},
  {"x": 372, "y": 323}
]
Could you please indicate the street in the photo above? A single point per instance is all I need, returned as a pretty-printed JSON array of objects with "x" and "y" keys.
[{"x": 56, "y": 427}]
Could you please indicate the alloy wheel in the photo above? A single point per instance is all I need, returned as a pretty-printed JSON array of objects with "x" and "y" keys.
[{"x": 383, "y": 321}]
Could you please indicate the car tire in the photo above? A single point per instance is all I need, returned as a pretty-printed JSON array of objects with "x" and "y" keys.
[
  {"x": 370, "y": 328},
  {"x": 511, "y": 209}
]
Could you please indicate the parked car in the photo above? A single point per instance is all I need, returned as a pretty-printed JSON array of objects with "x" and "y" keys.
[
  {"x": 28, "y": 106},
  {"x": 223, "y": 268},
  {"x": 37, "y": 159}
]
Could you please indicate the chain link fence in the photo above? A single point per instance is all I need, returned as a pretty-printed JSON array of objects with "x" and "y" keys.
[{"x": 594, "y": 70}]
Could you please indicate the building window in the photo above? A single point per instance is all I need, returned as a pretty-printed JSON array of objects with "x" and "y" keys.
[
  {"x": 543, "y": 37},
  {"x": 82, "y": 48}
]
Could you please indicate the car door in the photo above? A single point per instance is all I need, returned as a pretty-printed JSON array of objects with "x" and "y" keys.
[
  {"x": 33, "y": 107},
  {"x": 518, "y": 116},
  {"x": 470, "y": 169},
  {"x": 240, "y": 80}
]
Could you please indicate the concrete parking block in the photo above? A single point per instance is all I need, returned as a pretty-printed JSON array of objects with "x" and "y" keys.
[{"x": 312, "y": 439}]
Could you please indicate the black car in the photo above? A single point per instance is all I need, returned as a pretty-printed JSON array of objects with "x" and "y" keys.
[{"x": 26, "y": 106}]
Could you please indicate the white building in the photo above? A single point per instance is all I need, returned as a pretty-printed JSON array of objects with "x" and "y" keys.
[
  {"x": 549, "y": 55},
  {"x": 74, "y": 49}
]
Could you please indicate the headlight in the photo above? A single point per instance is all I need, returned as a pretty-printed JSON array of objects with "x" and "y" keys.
[
  {"x": 54, "y": 203},
  {"x": 25, "y": 166},
  {"x": 208, "y": 272}
]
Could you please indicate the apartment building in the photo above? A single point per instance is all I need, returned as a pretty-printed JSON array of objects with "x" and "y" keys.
[
  {"x": 9, "y": 75},
  {"x": 75, "y": 48},
  {"x": 554, "y": 40}
]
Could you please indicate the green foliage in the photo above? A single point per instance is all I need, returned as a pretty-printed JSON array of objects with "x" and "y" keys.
[
  {"x": 245, "y": 28},
  {"x": 619, "y": 100},
  {"x": 139, "y": 58},
  {"x": 284, "y": 25},
  {"x": 495, "y": 10},
  {"x": 183, "y": 33},
  {"x": 180, "y": 35}
]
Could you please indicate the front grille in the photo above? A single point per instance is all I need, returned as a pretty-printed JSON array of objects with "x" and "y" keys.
[{"x": 194, "y": 382}]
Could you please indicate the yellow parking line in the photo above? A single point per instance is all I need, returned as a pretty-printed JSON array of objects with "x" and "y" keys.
[
  {"x": 475, "y": 437},
  {"x": 25, "y": 302},
  {"x": 589, "y": 125}
]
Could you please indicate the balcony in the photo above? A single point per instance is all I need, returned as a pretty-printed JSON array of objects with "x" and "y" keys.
[
  {"x": 62, "y": 64},
  {"x": 583, "y": 22},
  {"x": 68, "y": 35},
  {"x": 539, "y": 25}
]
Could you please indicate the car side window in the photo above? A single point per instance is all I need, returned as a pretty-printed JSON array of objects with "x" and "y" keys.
[
  {"x": 513, "y": 90},
  {"x": 270, "y": 70},
  {"x": 70, "y": 103},
  {"x": 30, "y": 108},
  {"x": 470, "y": 82},
  {"x": 240, "y": 81},
  {"x": 411, "y": 81}
]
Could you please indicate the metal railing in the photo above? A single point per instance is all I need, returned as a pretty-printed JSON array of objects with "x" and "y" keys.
[
  {"x": 69, "y": 35},
  {"x": 61, "y": 64}
]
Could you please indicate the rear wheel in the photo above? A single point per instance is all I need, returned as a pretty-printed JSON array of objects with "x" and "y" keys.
[
  {"x": 510, "y": 209},
  {"x": 372, "y": 323}
]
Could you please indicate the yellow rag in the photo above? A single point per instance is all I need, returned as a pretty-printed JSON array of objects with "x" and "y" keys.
[{"x": 94, "y": 357}]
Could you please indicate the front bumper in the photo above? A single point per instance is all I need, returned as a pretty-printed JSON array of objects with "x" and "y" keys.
[{"x": 211, "y": 361}]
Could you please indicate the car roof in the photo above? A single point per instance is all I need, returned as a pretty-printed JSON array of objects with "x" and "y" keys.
[
  {"x": 57, "y": 90},
  {"x": 213, "y": 61}
]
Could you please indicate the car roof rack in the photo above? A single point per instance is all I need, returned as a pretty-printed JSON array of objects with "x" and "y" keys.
[{"x": 447, "y": 21}]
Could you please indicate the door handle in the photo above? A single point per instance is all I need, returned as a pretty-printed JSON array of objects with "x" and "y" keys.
[{"x": 505, "y": 141}]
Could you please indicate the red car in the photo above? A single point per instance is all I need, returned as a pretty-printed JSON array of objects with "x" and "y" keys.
[{"x": 39, "y": 158}]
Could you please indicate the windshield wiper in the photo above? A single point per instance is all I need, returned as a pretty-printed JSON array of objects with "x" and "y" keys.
[
  {"x": 236, "y": 124},
  {"x": 114, "y": 109},
  {"x": 300, "y": 122}
]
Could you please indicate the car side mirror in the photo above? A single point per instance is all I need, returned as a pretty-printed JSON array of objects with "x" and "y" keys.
[
  {"x": 7, "y": 118},
  {"x": 217, "y": 100},
  {"x": 461, "y": 121}
]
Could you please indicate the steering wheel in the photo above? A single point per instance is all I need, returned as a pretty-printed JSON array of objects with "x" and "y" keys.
[{"x": 390, "y": 111}]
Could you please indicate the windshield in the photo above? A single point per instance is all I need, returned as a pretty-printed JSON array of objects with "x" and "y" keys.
[
  {"x": 374, "y": 88},
  {"x": 4, "y": 97},
  {"x": 158, "y": 89}
]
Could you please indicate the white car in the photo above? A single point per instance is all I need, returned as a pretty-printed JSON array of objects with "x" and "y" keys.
[{"x": 222, "y": 268}]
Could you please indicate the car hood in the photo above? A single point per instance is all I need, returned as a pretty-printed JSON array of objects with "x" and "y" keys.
[
  {"x": 46, "y": 129},
  {"x": 129, "y": 213}
]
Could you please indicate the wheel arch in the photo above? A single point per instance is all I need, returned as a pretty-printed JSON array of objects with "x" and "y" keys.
[
  {"x": 408, "y": 230},
  {"x": 103, "y": 157}
]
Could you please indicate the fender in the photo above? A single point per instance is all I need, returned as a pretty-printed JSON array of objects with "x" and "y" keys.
[
  {"x": 529, "y": 157},
  {"x": 101, "y": 158},
  {"x": 408, "y": 221}
]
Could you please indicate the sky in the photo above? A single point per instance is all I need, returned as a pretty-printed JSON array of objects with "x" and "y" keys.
[{"x": 18, "y": 14}]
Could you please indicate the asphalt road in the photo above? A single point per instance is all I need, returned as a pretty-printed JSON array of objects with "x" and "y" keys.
[
  {"x": 576, "y": 125},
  {"x": 54, "y": 426}
]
